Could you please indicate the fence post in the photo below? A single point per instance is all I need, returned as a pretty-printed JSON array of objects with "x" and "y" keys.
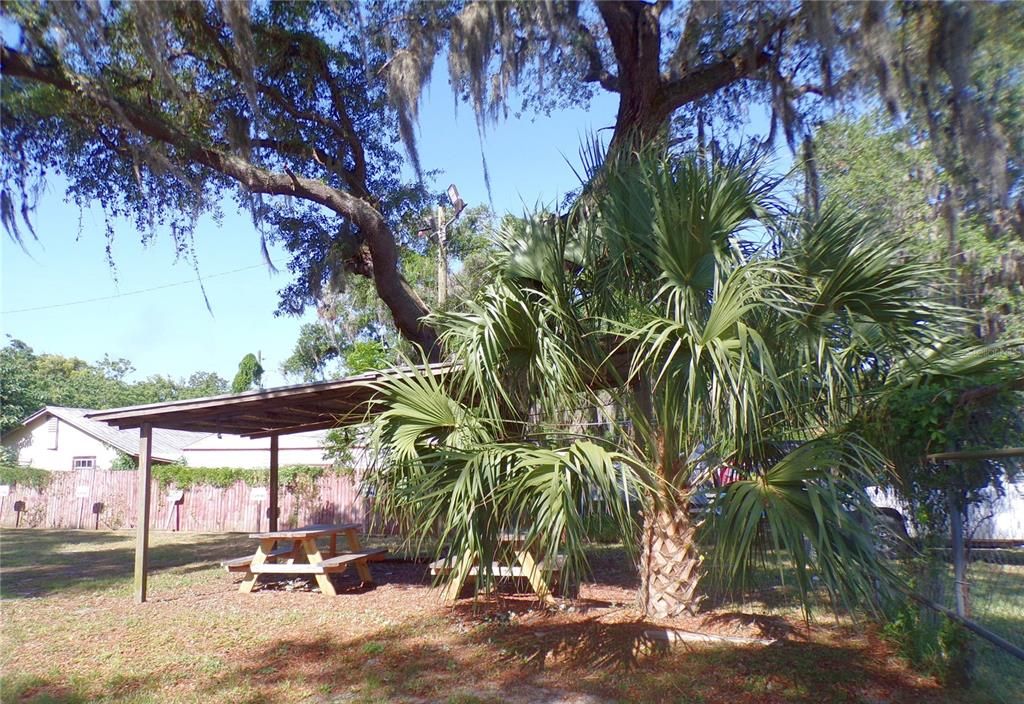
[{"x": 956, "y": 529}]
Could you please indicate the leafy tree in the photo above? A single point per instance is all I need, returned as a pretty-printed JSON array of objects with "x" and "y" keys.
[
  {"x": 21, "y": 392},
  {"x": 892, "y": 173},
  {"x": 204, "y": 384},
  {"x": 367, "y": 356},
  {"x": 159, "y": 388},
  {"x": 950, "y": 400},
  {"x": 154, "y": 110},
  {"x": 715, "y": 352},
  {"x": 314, "y": 350},
  {"x": 29, "y": 381},
  {"x": 352, "y": 322},
  {"x": 250, "y": 372}
]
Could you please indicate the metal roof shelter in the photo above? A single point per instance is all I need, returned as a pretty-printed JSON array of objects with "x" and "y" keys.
[{"x": 256, "y": 414}]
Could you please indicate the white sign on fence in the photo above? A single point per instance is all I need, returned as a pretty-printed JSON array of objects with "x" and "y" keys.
[
  {"x": 258, "y": 494},
  {"x": 175, "y": 495},
  {"x": 82, "y": 491},
  {"x": 5, "y": 489}
]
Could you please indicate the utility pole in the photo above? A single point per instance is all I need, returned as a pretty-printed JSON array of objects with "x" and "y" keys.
[
  {"x": 439, "y": 227},
  {"x": 442, "y": 257}
]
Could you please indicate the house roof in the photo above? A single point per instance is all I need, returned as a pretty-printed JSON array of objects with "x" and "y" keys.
[
  {"x": 280, "y": 411},
  {"x": 167, "y": 443}
]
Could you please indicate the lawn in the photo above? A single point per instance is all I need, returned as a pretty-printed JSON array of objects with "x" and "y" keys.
[{"x": 71, "y": 633}]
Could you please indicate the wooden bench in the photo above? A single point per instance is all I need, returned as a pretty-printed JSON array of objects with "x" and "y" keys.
[
  {"x": 498, "y": 569},
  {"x": 333, "y": 564},
  {"x": 305, "y": 557},
  {"x": 241, "y": 564},
  {"x": 543, "y": 581}
]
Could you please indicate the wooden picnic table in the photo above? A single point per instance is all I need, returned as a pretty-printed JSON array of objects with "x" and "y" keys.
[
  {"x": 296, "y": 552},
  {"x": 525, "y": 565}
]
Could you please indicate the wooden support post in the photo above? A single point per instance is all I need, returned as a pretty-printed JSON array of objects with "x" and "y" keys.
[
  {"x": 273, "y": 483},
  {"x": 314, "y": 557},
  {"x": 535, "y": 575},
  {"x": 353, "y": 545},
  {"x": 142, "y": 541}
]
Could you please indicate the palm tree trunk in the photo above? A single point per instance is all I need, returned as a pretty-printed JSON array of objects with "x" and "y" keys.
[{"x": 670, "y": 567}]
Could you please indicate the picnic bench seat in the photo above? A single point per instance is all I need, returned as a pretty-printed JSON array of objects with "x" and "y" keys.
[
  {"x": 446, "y": 565},
  {"x": 333, "y": 564},
  {"x": 241, "y": 564}
]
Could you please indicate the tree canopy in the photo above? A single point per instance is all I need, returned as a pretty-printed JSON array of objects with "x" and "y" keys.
[
  {"x": 31, "y": 380},
  {"x": 155, "y": 110}
]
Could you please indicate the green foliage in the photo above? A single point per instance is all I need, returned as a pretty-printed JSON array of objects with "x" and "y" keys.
[
  {"x": 711, "y": 349},
  {"x": 250, "y": 372},
  {"x": 315, "y": 348},
  {"x": 950, "y": 398},
  {"x": 800, "y": 507},
  {"x": 123, "y": 462},
  {"x": 28, "y": 477},
  {"x": 338, "y": 447},
  {"x": 29, "y": 381},
  {"x": 448, "y": 465},
  {"x": 893, "y": 173},
  {"x": 932, "y": 644},
  {"x": 184, "y": 477},
  {"x": 367, "y": 356}
]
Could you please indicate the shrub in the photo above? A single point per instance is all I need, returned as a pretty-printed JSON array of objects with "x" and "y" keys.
[{"x": 25, "y": 477}]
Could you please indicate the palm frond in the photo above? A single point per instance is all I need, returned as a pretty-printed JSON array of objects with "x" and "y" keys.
[{"x": 810, "y": 507}]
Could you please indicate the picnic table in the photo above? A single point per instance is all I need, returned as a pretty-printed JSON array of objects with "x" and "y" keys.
[
  {"x": 297, "y": 552},
  {"x": 524, "y": 564}
]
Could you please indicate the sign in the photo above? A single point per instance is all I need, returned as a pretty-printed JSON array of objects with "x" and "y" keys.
[
  {"x": 82, "y": 491},
  {"x": 5, "y": 489},
  {"x": 258, "y": 494},
  {"x": 175, "y": 495}
]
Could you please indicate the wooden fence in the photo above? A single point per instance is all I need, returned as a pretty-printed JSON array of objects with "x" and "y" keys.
[{"x": 100, "y": 499}]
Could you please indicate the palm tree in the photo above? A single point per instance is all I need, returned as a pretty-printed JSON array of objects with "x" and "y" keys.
[{"x": 722, "y": 328}]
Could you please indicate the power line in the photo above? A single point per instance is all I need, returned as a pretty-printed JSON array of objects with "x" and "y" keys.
[{"x": 131, "y": 293}]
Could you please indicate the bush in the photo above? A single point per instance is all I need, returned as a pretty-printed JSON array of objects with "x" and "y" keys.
[
  {"x": 25, "y": 477},
  {"x": 184, "y": 477},
  {"x": 931, "y": 643}
]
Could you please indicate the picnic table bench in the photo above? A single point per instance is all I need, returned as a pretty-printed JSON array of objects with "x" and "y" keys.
[
  {"x": 303, "y": 556},
  {"x": 524, "y": 565}
]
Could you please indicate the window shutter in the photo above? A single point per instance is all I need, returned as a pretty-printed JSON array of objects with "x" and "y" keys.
[{"x": 51, "y": 434}]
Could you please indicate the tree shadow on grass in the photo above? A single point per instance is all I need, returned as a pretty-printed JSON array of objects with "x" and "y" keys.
[
  {"x": 533, "y": 662},
  {"x": 40, "y": 562}
]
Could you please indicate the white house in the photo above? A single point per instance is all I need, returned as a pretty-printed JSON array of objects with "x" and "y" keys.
[
  {"x": 997, "y": 516},
  {"x": 63, "y": 439}
]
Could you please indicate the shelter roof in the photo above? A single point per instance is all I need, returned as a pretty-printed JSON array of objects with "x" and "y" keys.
[
  {"x": 278, "y": 411},
  {"x": 167, "y": 444}
]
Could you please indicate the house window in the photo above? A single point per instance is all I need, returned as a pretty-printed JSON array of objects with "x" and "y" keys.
[{"x": 84, "y": 463}]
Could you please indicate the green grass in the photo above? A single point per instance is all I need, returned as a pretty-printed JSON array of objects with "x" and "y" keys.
[
  {"x": 997, "y": 603},
  {"x": 72, "y": 634}
]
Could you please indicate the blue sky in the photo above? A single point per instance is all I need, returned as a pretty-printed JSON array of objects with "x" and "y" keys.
[{"x": 152, "y": 310}]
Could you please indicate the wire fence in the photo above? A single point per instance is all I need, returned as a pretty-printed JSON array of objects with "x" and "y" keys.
[{"x": 988, "y": 602}]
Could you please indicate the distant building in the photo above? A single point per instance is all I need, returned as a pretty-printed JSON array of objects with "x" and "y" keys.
[
  {"x": 996, "y": 516},
  {"x": 60, "y": 439}
]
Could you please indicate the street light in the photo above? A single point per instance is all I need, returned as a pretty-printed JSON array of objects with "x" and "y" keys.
[{"x": 456, "y": 200}]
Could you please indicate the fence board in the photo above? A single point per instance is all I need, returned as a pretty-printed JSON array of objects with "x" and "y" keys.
[{"x": 331, "y": 499}]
